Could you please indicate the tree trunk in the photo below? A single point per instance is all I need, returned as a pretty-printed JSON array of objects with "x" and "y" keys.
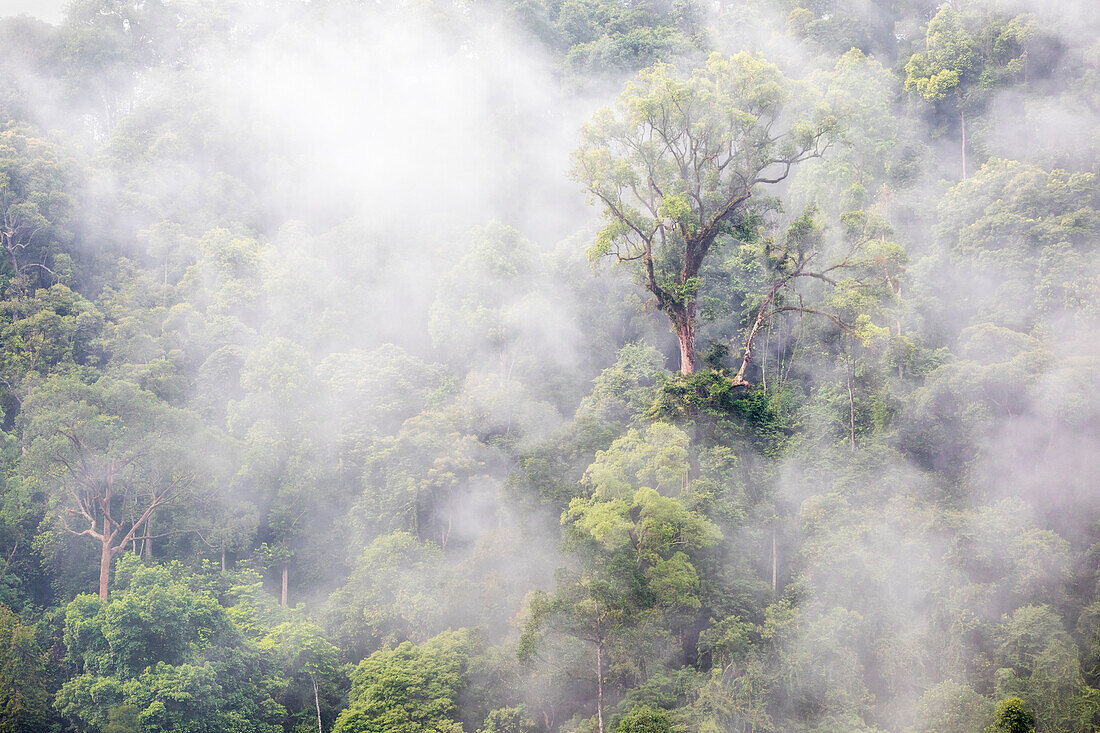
[
  {"x": 104, "y": 567},
  {"x": 286, "y": 571},
  {"x": 316, "y": 702},
  {"x": 445, "y": 530},
  {"x": 851, "y": 406},
  {"x": 684, "y": 323},
  {"x": 599, "y": 684},
  {"x": 764, "y": 361},
  {"x": 775, "y": 564},
  {"x": 223, "y": 559},
  {"x": 962, "y": 117}
]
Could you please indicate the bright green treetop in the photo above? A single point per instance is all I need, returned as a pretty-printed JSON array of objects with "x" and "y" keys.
[
  {"x": 409, "y": 689},
  {"x": 1012, "y": 716},
  {"x": 674, "y": 164}
]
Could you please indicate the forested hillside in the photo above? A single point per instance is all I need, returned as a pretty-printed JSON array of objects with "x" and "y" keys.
[{"x": 570, "y": 366}]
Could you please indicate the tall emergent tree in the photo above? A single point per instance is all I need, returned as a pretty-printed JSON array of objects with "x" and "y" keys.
[
  {"x": 676, "y": 162},
  {"x": 638, "y": 550},
  {"x": 966, "y": 55},
  {"x": 111, "y": 456}
]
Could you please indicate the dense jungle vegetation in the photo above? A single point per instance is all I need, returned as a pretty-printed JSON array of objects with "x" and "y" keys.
[{"x": 502, "y": 366}]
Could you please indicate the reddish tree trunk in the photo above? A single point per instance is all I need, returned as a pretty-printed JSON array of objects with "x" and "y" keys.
[
  {"x": 684, "y": 323},
  {"x": 104, "y": 567}
]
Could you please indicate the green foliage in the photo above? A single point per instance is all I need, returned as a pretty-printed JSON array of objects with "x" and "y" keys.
[
  {"x": 723, "y": 409},
  {"x": 968, "y": 52},
  {"x": 270, "y": 332},
  {"x": 600, "y": 38},
  {"x": 674, "y": 164},
  {"x": 1030, "y": 232},
  {"x": 971, "y": 53},
  {"x": 393, "y": 595},
  {"x": 727, "y": 641},
  {"x": 508, "y": 720},
  {"x": 948, "y": 58},
  {"x": 1012, "y": 716},
  {"x": 485, "y": 305},
  {"x": 659, "y": 460},
  {"x": 651, "y": 527},
  {"x": 24, "y": 698},
  {"x": 409, "y": 688},
  {"x": 624, "y": 391},
  {"x": 37, "y": 209},
  {"x": 637, "y": 578},
  {"x": 1038, "y": 662},
  {"x": 52, "y": 332},
  {"x": 168, "y": 651},
  {"x": 304, "y": 666},
  {"x": 952, "y": 706},
  {"x": 123, "y": 719},
  {"x": 109, "y": 455},
  {"x": 731, "y": 100},
  {"x": 646, "y": 720}
]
